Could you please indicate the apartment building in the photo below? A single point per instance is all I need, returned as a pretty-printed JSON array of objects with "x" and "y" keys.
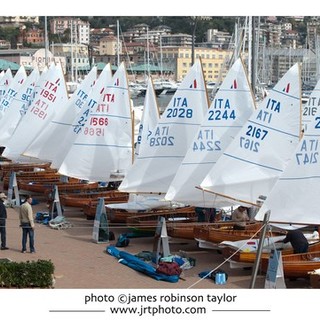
[
  {"x": 214, "y": 61},
  {"x": 80, "y": 30},
  {"x": 33, "y": 36}
]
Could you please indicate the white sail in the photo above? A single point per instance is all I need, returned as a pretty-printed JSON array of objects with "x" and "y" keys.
[
  {"x": 149, "y": 119},
  {"x": 78, "y": 123},
  {"x": 104, "y": 145},
  {"x": 257, "y": 156},
  {"x": 311, "y": 108},
  {"x": 5, "y": 82},
  {"x": 48, "y": 100},
  {"x": 295, "y": 196},
  {"x": 18, "y": 106},
  {"x": 154, "y": 169},
  {"x": 12, "y": 90},
  {"x": 48, "y": 144},
  {"x": 230, "y": 109}
]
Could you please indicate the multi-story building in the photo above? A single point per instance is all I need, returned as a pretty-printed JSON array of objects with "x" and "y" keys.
[
  {"x": 217, "y": 39},
  {"x": 33, "y": 36},
  {"x": 109, "y": 45},
  {"x": 76, "y": 57},
  {"x": 177, "y": 40},
  {"x": 80, "y": 30},
  {"x": 97, "y": 34},
  {"x": 135, "y": 32},
  {"x": 214, "y": 61},
  {"x": 313, "y": 31}
]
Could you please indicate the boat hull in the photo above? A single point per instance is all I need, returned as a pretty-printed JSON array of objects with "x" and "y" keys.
[
  {"x": 217, "y": 233},
  {"x": 298, "y": 265}
]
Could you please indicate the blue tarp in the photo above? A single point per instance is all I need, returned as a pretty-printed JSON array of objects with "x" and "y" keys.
[{"x": 137, "y": 264}]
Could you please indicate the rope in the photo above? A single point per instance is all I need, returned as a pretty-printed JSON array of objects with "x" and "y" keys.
[{"x": 226, "y": 260}]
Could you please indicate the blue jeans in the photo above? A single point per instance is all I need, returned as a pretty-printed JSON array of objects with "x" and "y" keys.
[
  {"x": 3, "y": 234},
  {"x": 27, "y": 231}
]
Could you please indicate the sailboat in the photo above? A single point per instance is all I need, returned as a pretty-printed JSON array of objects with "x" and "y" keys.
[
  {"x": 230, "y": 109},
  {"x": 18, "y": 106},
  {"x": 149, "y": 119},
  {"x": 254, "y": 160},
  {"x": 5, "y": 82},
  {"x": 49, "y": 143},
  {"x": 294, "y": 199},
  {"x": 12, "y": 90},
  {"x": 166, "y": 146},
  {"x": 88, "y": 100},
  {"x": 102, "y": 150},
  {"x": 49, "y": 98},
  {"x": 169, "y": 141},
  {"x": 243, "y": 253}
]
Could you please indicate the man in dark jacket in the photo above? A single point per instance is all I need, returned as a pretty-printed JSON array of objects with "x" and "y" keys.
[
  {"x": 3, "y": 217},
  {"x": 298, "y": 241}
]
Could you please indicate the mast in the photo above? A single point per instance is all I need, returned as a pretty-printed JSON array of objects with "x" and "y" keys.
[
  {"x": 118, "y": 43},
  {"x": 161, "y": 57},
  {"x": 76, "y": 51},
  {"x": 148, "y": 52},
  {"x": 46, "y": 40},
  {"x": 71, "y": 47}
]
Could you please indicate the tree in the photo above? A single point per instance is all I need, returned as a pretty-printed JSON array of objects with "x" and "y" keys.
[{"x": 10, "y": 34}]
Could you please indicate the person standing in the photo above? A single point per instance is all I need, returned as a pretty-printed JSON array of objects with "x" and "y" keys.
[
  {"x": 27, "y": 224},
  {"x": 3, "y": 217}
]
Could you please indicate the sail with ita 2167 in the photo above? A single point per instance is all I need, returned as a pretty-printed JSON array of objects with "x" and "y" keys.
[
  {"x": 295, "y": 196},
  {"x": 294, "y": 199},
  {"x": 252, "y": 163}
]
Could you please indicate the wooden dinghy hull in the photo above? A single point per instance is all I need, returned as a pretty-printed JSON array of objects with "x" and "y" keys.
[
  {"x": 148, "y": 221},
  {"x": 249, "y": 257},
  {"x": 217, "y": 233},
  {"x": 82, "y": 199},
  {"x": 297, "y": 265},
  {"x": 45, "y": 187}
]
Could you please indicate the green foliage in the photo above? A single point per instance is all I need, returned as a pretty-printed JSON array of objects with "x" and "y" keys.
[
  {"x": 27, "y": 274},
  {"x": 10, "y": 34},
  {"x": 178, "y": 24}
]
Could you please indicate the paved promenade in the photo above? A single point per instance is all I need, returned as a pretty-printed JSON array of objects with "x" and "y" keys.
[{"x": 81, "y": 263}]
